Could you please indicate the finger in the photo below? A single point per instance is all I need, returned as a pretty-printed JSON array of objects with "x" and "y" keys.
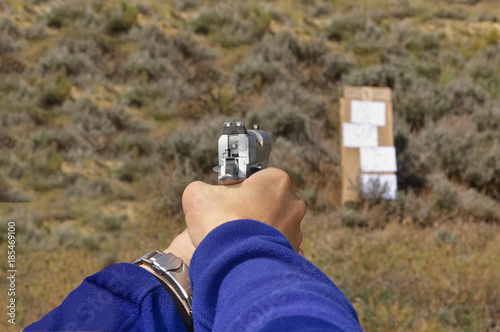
[{"x": 301, "y": 252}]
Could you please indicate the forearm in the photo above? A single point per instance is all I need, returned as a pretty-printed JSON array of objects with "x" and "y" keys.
[
  {"x": 246, "y": 276},
  {"x": 122, "y": 297}
]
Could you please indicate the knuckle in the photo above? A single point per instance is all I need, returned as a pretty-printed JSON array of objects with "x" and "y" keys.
[
  {"x": 280, "y": 178},
  {"x": 190, "y": 192},
  {"x": 301, "y": 207}
]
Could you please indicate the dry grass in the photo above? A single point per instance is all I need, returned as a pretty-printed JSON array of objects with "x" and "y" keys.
[{"x": 404, "y": 277}]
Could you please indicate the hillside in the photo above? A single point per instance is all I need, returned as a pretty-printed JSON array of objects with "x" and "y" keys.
[{"x": 108, "y": 109}]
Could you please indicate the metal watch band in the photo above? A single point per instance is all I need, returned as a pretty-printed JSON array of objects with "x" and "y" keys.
[{"x": 173, "y": 269}]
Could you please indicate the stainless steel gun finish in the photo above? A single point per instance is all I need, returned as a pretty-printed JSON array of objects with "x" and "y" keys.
[{"x": 242, "y": 152}]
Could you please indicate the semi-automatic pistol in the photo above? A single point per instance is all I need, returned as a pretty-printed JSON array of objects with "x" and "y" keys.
[{"x": 242, "y": 152}]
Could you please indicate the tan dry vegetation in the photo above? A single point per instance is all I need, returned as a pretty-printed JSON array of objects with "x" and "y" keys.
[{"x": 403, "y": 277}]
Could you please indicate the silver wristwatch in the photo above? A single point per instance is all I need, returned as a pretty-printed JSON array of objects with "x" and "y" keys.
[{"x": 173, "y": 269}]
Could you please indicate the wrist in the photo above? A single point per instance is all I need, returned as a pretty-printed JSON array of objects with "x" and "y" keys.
[{"x": 173, "y": 275}]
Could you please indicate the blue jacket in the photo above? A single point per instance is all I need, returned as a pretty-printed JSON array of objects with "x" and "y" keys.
[{"x": 245, "y": 276}]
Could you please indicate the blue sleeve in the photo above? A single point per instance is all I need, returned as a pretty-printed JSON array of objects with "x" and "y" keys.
[
  {"x": 245, "y": 276},
  {"x": 121, "y": 297}
]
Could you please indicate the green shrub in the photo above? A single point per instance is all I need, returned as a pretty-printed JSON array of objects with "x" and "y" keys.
[
  {"x": 209, "y": 20},
  {"x": 92, "y": 48},
  {"x": 17, "y": 95},
  {"x": 76, "y": 15},
  {"x": 254, "y": 73},
  {"x": 9, "y": 27},
  {"x": 429, "y": 70},
  {"x": 295, "y": 95},
  {"x": 444, "y": 194},
  {"x": 401, "y": 9},
  {"x": 479, "y": 206},
  {"x": 282, "y": 47},
  {"x": 165, "y": 99},
  {"x": 283, "y": 120},
  {"x": 7, "y": 43},
  {"x": 286, "y": 156},
  {"x": 285, "y": 47},
  {"x": 152, "y": 40},
  {"x": 455, "y": 59},
  {"x": 109, "y": 222},
  {"x": 15, "y": 118},
  {"x": 313, "y": 51},
  {"x": 483, "y": 170},
  {"x": 59, "y": 139},
  {"x": 120, "y": 19},
  {"x": 484, "y": 69},
  {"x": 54, "y": 92},
  {"x": 44, "y": 172},
  {"x": 370, "y": 39},
  {"x": 485, "y": 64},
  {"x": 12, "y": 166},
  {"x": 232, "y": 26},
  {"x": 287, "y": 118},
  {"x": 466, "y": 96},
  {"x": 468, "y": 2},
  {"x": 82, "y": 105},
  {"x": 447, "y": 147},
  {"x": 410, "y": 174},
  {"x": 402, "y": 206},
  {"x": 274, "y": 57},
  {"x": 11, "y": 195},
  {"x": 133, "y": 170},
  {"x": 423, "y": 212},
  {"x": 122, "y": 120},
  {"x": 485, "y": 17},
  {"x": 409, "y": 36},
  {"x": 443, "y": 236},
  {"x": 425, "y": 41},
  {"x": 353, "y": 218},
  {"x": 94, "y": 127},
  {"x": 62, "y": 59},
  {"x": 321, "y": 10},
  {"x": 487, "y": 116},
  {"x": 136, "y": 145},
  {"x": 89, "y": 187},
  {"x": 450, "y": 141},
  {"x": 336, "y": 66},
  {"x": 234, "y": 35},
  {"x": 286, "y": 121},
  {"x": 454, "y": 13},
  {"x": 418, "y": 100},
  {"x": 89, "y": 119},
  {"x": 184, "y": 5},
  {"x": 345, "y": 25},
  {"x": 143, "y": 66},
  {"x": 195, "y": 146},
  {"x": 67, "y": 235},
  {"x": 377, "y": 75}
]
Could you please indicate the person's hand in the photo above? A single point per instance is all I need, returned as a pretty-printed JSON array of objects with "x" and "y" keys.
[
  {"x": 182, "y": 247},
  {"x": 267, "y": 196}
]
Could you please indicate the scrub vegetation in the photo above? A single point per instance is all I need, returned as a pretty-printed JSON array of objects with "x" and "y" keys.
[{"x": 108, "y": 109}]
